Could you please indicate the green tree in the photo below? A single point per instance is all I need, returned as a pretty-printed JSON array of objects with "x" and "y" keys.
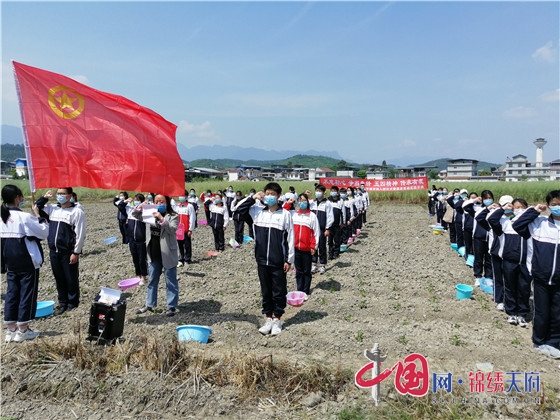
[
  {"x": 361, "y": 174},
  {"x": 433, "y": 174},
  {"x": 341, "y": 164},
  {"x": 484, "y": 172},
  {"x": 384, "y": 163}
]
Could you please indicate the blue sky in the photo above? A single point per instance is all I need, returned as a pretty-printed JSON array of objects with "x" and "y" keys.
[{"x": 397, "y": 81}]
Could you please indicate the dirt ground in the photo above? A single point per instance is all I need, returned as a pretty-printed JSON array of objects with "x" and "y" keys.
[{"x": 394, "y": 286}]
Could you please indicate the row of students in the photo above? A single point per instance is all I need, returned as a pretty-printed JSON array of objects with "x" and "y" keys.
[{"x": 516, "y": 246}]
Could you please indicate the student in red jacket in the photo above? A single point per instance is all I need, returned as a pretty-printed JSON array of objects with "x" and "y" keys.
[{"x": 306, "y": 239}]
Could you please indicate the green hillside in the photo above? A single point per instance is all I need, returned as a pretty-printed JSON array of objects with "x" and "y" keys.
[
  {"x": 10, "y": 152},
  {"x": 442, "y": 164},
  {"x": 306, "y": 161}
]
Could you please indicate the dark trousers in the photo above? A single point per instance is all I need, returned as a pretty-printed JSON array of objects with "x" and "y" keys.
[
  {"x": 185, "y": 249},
  {"x": 273, "y": 289},
  {"x": 139, "y": 253},
  {"x": 21, "y": 296},
  {"x": 517, "y": 288},
  {"x": 219, "y": 242},
  {"x": 546, "y": 323},
  {"x": 359, "y": 220},
  {"x": 482, "y": 266},
  {"x": 122, "y": 228},
  {"x": 321, "y": 250},
  {"x": 207, "y": 213},
  {"x": 334, "y": 241},
  {"x": 452, "y": 233},
  {"x": 459, "y": 234},
  {"x": 467, "y": 237},
  {"x": 239, "y": 228},
  {"x": 498, "y": 278},
  {"x": 346, "y": 234},
  {"x": 67, "y": 280},
  {"x": 249, "y": 222},
  {"x": 302, "y": 264}
]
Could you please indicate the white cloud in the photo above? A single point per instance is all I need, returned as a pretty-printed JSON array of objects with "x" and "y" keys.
[
  {"x": 552, "y": 96},
  {"x": 81, "y": 79},
  {"x": 519, "y": 112},
  {"x": 204, "y": 130},
  {"x": 546, "y": 53},
  {"x": 408, "y": 143}
]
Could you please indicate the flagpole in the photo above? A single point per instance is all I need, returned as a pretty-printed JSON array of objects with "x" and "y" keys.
[{"x": 25, "y": 140}]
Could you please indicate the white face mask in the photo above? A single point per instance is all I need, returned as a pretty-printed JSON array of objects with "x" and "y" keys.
[{"x": 517, "y": 212}]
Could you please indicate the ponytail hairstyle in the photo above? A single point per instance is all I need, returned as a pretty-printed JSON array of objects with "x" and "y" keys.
[{"x": 9, "y": 194}]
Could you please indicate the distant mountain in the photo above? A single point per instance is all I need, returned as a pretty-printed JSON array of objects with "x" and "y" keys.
[
  {"x": 442, "y": 164},
  {"x": 306, "y": 161},
  {"x": 11, "y": 152},
  {"x": 244, "y": 154}
]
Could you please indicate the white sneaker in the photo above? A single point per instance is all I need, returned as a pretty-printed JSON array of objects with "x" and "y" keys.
[
  {"x": 500, "y": 307},
  {"x": 313, "y": 268},
  {"x": 179, "y": 264},
  {"x": 267, "y": 327},
  {"x": 512, "y": 319},
  {"x": 322, "y": 270},
  {"x": 276, "y": 327},
  {"x": 477, "y": 282},
  {"x": 141, "y": 282},
  {"x": 548, "y": 350},
  {"x": 10, "y": 335},
  {"x": 27, "y": 335},
  {"x": 521, "y": 321}
]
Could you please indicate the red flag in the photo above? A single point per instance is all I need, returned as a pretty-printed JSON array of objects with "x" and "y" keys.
[{"x": 79, "y": 136}]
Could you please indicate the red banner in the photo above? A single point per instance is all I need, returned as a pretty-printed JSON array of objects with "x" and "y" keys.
[
  {"x": 79, "y": 136},
  {"x": 393, "y": 184}
]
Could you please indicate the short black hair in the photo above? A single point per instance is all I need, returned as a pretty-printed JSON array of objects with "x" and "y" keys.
[
  {"x": 552, "y": 195},
  {"x": 274, "y": 186},
  {"x": 320, "y": 187}
]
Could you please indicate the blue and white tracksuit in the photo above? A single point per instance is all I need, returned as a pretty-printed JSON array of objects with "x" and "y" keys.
[
  {"x": 21, "y": 257},
  {"x": 543, "y": 262}
]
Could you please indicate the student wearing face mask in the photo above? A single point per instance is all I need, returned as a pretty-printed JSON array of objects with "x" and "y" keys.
[
  {"x": 230, "y": 196},
  {"x": 335, "y": 237},
  {"x": 274, "y": 251},
  {"x": 478, "y": 209},
  {"x": 136, "y": 233},
  {"x": 367, "y": 202},
  {"x": 74, "y": 200},
  {"x": 306, "y": 238},
  {"x": 238, "y": 219},
  {"x": 468, "y": 225},
  {"x": 543, "y": 262},
  {"x": 203, "y": 198},
  {"x": 513, "y": 252},
  {"x": 451, "y": 200},
  {"x": 193, "y": 199},
  {"x": 324, "y": 212},
  {"x": 348, "y": 216},
  {"x": 161, "y": 243},
  {"x": 120, "y": 203},
  {"x": 187, "y": 224},
  {"x": 67, "y": 234},
  {"x": 22, "y": 256},
  {"x": 219, "y": 220}
]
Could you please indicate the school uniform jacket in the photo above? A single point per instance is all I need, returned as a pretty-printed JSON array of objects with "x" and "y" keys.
[
  {"x": 21, "y": 250},
  {"x": 543, "y": 251},
  {"x": 187, "y": 215},
  {"x": 219, "y": 215},
  {"x": 324, "y": 212},
  {"x": 512, "y": 246},
  {"x": 67, "y": 226},
  {"x": 306, "y": 229},
  {"x": 337, "y": 207},
  {"x": 480, "y": 225},
  {"x": 274, "y": 233}
]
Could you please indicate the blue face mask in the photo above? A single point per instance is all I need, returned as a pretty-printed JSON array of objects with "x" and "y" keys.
[
  {"x": 463, "y": 196},
  {"x": 136, "y": 203},
  {"x": 334, "y": 193},
  {"x": 72, "y": 200},
  {"x": 303, "y": 205},
  {"x": 508, "y": 211},
  {"x": 161, "y": 208},
  {"x": 21, "y": 203},
  {"x": 342, "y": 195},
  {"x": 456, "y": 198},
  {"x": 554, "y": 210},
  {"x": 182, "y": 199},
  {"x": 149, "y": 198},
  {"x": 488, "y": 202},
  {"x": 61, "y": 198},
  {"x": 318, "y": 194},
  {"x": 217, "y": 201},
  {"x": 270, "y": 200}
]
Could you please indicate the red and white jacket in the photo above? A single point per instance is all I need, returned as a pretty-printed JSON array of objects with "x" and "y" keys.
[{"x": 306, "y": 229}]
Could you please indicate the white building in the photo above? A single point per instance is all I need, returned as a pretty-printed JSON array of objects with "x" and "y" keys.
[{"x": 518, "y": 168}]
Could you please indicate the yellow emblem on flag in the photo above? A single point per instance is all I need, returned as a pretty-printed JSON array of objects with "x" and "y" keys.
[{"x": 66, "y": 102}]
